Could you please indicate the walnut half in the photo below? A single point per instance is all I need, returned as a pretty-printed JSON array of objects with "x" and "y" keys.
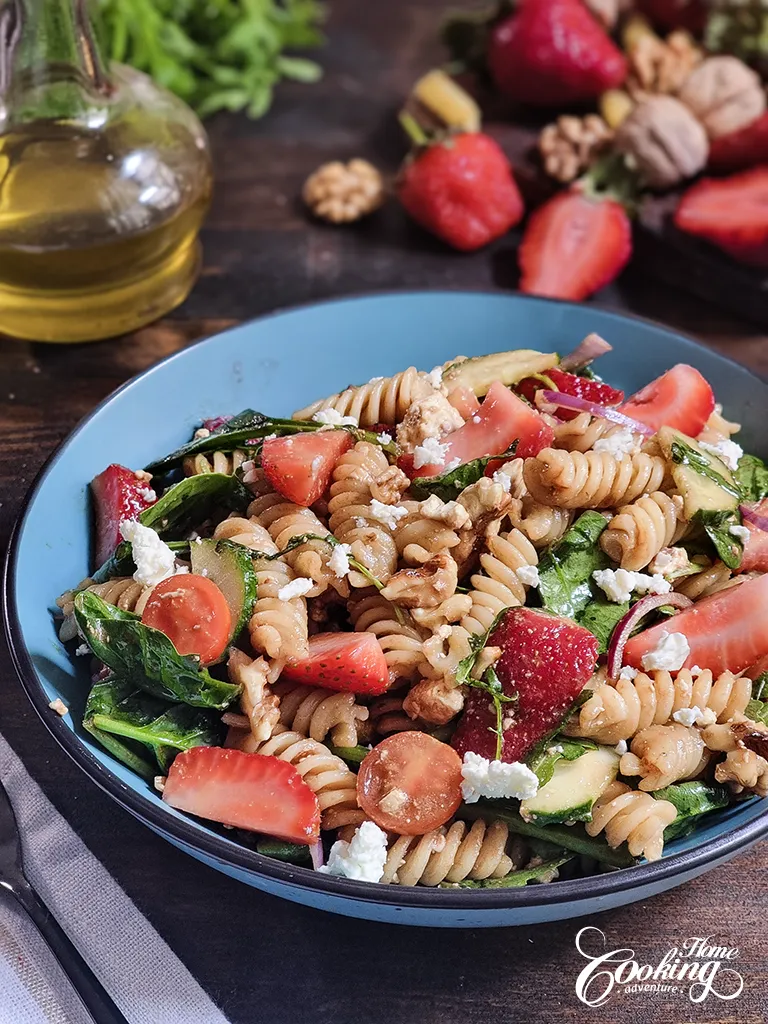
[
  {"x": 424, "y": 587},
  {"x": 342, "y": 193}
]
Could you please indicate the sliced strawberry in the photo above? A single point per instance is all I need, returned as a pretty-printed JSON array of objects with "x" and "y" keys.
[
  {"x": 464, "y": 401},
  {"x": 755, "y": 555},
  {"x": 574, "y": 245},
  {"x": 352, "y": 662},
  {"x": 681, "y": 398},
  {"x": 300, "y": 466},
  {"x": 502, "y": 419},
  {"x": 739, "y": 150},
  {"x": 571, "y": 384},
  {"x": 251, "y": 791},
  {"x": 546, "y": 662},
  {"x": 758, "y": 669},
  {"x": 118, "y": 494},
  {"x": 726, "y": 632},
  {"x": 731, "y": 213}
]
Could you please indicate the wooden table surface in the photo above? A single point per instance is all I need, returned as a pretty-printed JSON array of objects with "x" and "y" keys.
[{"x": 262, "y": 959}]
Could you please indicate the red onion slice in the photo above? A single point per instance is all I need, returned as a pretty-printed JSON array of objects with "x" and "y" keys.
[
  {"x": 751, "y": 515},
  {"x": 637, "y": 612},
  {"x": 317, "y": 855},
  {"x": 604, "y": 411},
  {"x": 587, "y": 350}
]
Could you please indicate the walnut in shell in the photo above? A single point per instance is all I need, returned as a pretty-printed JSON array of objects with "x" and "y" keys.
[
  {"x": 664, "y": 141},
  {"x": 724, "y": 94}
]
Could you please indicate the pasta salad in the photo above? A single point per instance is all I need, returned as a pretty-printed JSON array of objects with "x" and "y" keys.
[{"x": 485, "y": 626}]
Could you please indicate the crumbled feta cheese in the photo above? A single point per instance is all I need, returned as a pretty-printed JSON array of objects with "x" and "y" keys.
[
  {"x": 430, "y": 452},
  {"x": 296, "y": 588},
  {"x": 389, "y": 515},
  {"x": 627, "y": 672},
  {"x": 384, "y": 438},
  {"x": 435, "y": 377},
  {"x": 740, "y": 533},
  {"x": 147, "y": 494},
  {"x": 621, "y": 748},
  {"x": 695, "y": 670},
  {"x": 668, "y": 561},
  {"x": 528, "y": 575},
  {"x": 449, "y": 512},
  {"x": 82, "y": 651},
  {"x": 669, "y": 654},
  {"x": 59, "y": 707},
  {"x": 503, "y": 479},
  {"x": 688, "y": 716},
  {"x": 332, "y": 418},
  {"x": 338, "y": 563},
  {"x": 362, "y": 858},
  {"x": 618, "y": 443},
  {"x": 556, "y": 749},
  {"x": 496, "y": 779},
  {"x": 154, "y": 559},
  {"x": 453, "y": 464},
  {"x": 619, "y": 584},
  {"x": 728, "y": 451}
]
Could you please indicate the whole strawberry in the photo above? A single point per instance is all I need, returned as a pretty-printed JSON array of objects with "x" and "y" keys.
[
  {"x": 462, "y": 190},
  {"x": 553, "y": 53}
]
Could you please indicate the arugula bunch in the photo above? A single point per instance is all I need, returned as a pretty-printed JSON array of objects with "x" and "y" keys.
[{"x": 216, "y": 54}]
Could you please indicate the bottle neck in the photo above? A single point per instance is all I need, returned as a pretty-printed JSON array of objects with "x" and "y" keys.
[{"x": 50, "y": 62}]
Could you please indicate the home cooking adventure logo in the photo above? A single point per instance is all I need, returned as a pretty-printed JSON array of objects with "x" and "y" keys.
[{"x": 698, "y": 968}]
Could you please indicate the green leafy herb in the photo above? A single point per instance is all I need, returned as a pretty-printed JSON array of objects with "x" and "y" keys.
[
  {"x": 250, "y": 425},
  {"x": 601, "y": 617},
  {"x": 570, "y": 837},
  {"x": 491, "y": 684},
  {"x": 293, "y": 853},
  {"x": 751, "y": 475},
  {"x": 191, "y": 501},
  {"x": 692, "y": 799},
  {"x": 450, "y": 485},
  {"x": 565, "y": 572},
  {"x": 216, "y": 54},
  {"x": 684, "y": 455},
  {"x": 558, "y": 748},
  {"x": 545, "y": 872},
  {"x": 117, "y": 707},
  {"x": 717, "y": 524},
  {"x": 146, "y": 657},
  {"x": 760, "y": 687},
  {"x": 757, "y": 711}
]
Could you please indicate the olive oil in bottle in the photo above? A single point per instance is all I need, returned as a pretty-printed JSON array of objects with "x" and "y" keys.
[{"x": 104, "y": 184}]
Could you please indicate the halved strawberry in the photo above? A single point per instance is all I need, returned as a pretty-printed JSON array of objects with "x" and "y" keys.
[
  {"x": 251, "y": 791},
  {"x": 571, "y": 384},
  {"x": 502, "y": 419},
  {"x": 755, "y": 555},
  {"x": 546, "y": 662},
  {"x": 574, "y": 245},
  {"x": 118, "y": 494},
  {"x": 681, "y": 398},
  {"x": 731, "y": 213},
  {"x": 353, "y": 662},
  {"x": 747, "y": 147},
  {"x": 300, "y": 466},
  {"x": 726, "y": 632}
]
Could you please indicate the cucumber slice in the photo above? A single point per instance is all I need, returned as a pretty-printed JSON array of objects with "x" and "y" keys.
[
  {"x": 573, "y": 788},
  {"x": 230, "y": 567},
  {"x": 704, "y": 481},
  {"x": 480, "y": 372}
]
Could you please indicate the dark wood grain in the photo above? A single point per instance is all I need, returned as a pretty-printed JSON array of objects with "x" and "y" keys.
[{"x": 262, "y": 959}]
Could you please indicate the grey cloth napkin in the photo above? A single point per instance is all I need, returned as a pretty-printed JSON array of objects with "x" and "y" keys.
[{"x": 142, "y": 974}]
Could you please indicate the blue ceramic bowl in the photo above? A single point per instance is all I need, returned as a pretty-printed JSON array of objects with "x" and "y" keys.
[{"x": 278, "y": 364}]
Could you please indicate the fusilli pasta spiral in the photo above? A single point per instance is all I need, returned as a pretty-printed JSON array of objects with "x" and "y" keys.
[
  {"x": 710, "y": 580},
  {"x": 401, "y": 642},
  {"x": 316, "y": 713},
  {"x": 214, "y": 462},
  {"x": 581, "y": 433},
  {"x": 123, "y": 592},
  {"x": 629, "y": 816},
  {"x": 591, "y": 479},
  {"x": 499, "y": 586},
  {"x": 718, "y": 428},
  {"x": 639, "y": 531},
  {"x": 379, "y": 401},
  {"x": 541, "y": 524},
  {"x": 429, "y": 528},
  {"x": 663, "y": 754}
]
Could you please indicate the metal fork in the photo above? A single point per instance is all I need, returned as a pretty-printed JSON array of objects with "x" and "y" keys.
[{"x": 94, "y": 997}]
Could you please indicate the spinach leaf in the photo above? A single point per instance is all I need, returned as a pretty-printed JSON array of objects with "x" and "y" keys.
[
  {"x": 717, "y": 524},
  {"x": 760, "y": 687},
  {"x": 692, "y": 799},
  {"x": 751, "y": 475},
  {"x": 601, "y": 617},
  {"x": 122, "y": 563},
  {"x": 545, "y": 872},
  {"x": 191, "y": 501},
  {"x": 354, "y": 756},
  {"x": 250, "y": 425},
  {"x": 117, "y": 707},
  {"x": 544, "y": 762},
  {"x": 757, "y": 711},
  {"x": 570, "y": 837},
  {"x": 131, "y": 754},
  {"x": 565, "y": 571},
  {"x": 450, "y": 485},
  {"x": 146, "y": 657},
  {"x": 684, "y": 455},
  {"x": 280, "y": 850}
]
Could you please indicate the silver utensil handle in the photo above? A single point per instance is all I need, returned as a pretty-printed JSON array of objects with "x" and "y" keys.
[{"x": 92, "y": 993}]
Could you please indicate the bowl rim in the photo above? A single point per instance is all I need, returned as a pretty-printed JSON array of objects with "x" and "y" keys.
[{"x": 219, "y": 849}]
